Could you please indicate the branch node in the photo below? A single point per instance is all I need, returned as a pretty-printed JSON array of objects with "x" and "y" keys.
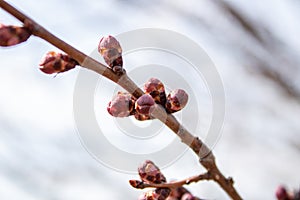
[{"x": 230, "y": 180}]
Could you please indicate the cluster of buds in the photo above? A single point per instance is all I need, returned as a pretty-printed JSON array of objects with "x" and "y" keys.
[
  {"x": 111, "y": 51},
  {"x": 124, "y": 105},
  {"x": 13, "y": 35},
  {"x": 283, "y": 194},
  {"x": 175, "y": 101},
  {"x": 151, "y": 174},
  {"x": 54, "y": 62}
]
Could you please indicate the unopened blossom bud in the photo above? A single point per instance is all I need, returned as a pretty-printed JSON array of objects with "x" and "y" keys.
[
  {"x": 176, "y": 100},
  {"x": 144, "y": 105},
  {"x": 12, "y": 35},
  {"x": 156, "y": 89},
  {"x": 187, "y": 196},
  {"x": 111, "y": 51},
  {"x": 122, "y": 105},
  {"x": 150, "y": 173},
  {"x": 163, "y": 193},
  {"x": 149, "y": 195},
  {"x": 157, "y": 194},
  {"x": 54, "y": 62},
  {"x": 136, "y": 183},
  {"x": 283, "y": 194}
]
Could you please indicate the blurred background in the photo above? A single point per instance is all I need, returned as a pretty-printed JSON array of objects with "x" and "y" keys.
[{"x": 255, "y": 46}]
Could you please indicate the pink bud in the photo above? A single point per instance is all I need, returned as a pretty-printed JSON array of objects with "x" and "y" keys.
[
  {"x": 162, "y": 193},
  {"x": 149, "y": 195},
  {"x": 111, "y": 51},
  {"x": 150, "y": 173},
  {"x": 122, "y": 105},
  {"x": 281, "y": 193},
  {"x": 12, "y": 35},
  {"x": 144, "y": 105},
  {"x": 156, "y": 89},
  {"x": 176, "y": 100},
  {"x": 187, "y": 196},
  {"x": 157, "y": 194},
  {"x": 54, "y": 62}
]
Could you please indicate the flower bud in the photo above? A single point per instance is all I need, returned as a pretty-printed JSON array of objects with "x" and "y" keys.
[
  {"x": 157, "y": 194},
  {"x": 144, "y": 105},
  {"x": 12, "y": 35},
  {"x": 149, "y": 195},
  {"x": 111, "y": 51},
  {"x": 150, "y": 173},
  {"x": 162, "y": 193},
  {"x": 156, "y": 89},
  {"x": 54, "y": 62},
  {"x": 282, "y": 194},
  {"x": 176, "y": 100},
  {"x": 122, "y": 105},
  {"x": 188, "y": 196}
]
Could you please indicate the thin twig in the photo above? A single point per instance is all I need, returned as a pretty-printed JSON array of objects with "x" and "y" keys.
[
  {"x": 175, "y": 184},
  {"x": 205, "y": 155}
]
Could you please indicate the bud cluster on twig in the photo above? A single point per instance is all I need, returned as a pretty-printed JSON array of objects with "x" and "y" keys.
[
  {"x": 124, "y": 104},
  {"x": 111, "y": 51},
  {"x": 151, "y": 175}
]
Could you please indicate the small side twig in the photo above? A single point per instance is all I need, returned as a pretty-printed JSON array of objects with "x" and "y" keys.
[{"x": 175, "y": 184}]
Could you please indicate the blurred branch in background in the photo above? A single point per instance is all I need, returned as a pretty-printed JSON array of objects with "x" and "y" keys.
[
  {"x": 275, "y": 60},
  {"x": 261, "y": 50}
]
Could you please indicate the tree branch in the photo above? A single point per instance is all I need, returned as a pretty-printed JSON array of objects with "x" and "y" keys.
[{"x": 205, "y": 155}]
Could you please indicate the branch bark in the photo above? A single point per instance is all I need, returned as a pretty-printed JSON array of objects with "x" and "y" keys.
[{"x": 206, "y": 157}]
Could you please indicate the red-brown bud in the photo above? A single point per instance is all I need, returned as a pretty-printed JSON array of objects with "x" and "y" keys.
[
  {"x": 283, "y": 194},
  {"x": 111, "y": 51},
  {"x": 144, "y": 105},
  {"x": 188, "y": 196},
  {"x": 122, "y": 105},
  {"x": 156, "y": 89},
  {"x": 176, "y": 100},
  {"x": 150, "y": 173},
  {"x": 157, "y": 194},
  {"x": 12, "y": 35},
  {"x": 163, "y": 193},
  {"x": 149, "y": 195},
  {"x": 136, "y": 184},
  {"x": 54, "y": 62}
]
